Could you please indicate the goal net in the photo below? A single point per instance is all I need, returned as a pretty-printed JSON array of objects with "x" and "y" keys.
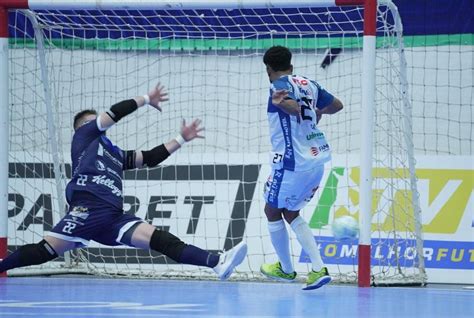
[{"x": 210, "y": 192}]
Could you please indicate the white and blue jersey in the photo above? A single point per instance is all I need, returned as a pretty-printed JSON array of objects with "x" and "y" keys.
[
  {"x": 297, "y": 142},
  {"x": 97, "y": 165}
]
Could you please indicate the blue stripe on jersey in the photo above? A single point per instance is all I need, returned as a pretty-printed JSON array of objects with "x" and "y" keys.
[
  {"x": 275, "y": 186},
  {"x": 272, "y": 108},
  {"x": 289, "y": 156},
  {"x": 324, "y": 97}
]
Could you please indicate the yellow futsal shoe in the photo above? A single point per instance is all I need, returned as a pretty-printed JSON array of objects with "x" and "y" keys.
[
  {"x": 317, "y": 279},
  {"x": 274, "y": 271}
]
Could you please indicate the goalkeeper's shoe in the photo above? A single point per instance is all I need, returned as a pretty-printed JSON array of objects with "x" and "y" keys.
[
  {"x": 274, "y": 271},
  {"x": 317, "y": 279},
  {"x": 229, "y": 260}
]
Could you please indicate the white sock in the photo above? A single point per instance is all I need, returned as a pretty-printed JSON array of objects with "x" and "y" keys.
[
  {"x": 281, "y": 243},
  {"x": 306, "y": 239}
]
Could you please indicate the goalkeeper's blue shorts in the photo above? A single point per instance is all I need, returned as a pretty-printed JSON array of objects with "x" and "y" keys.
[{"x": 92, "y": 219}]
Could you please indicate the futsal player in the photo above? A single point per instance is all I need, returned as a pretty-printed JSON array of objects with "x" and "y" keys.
[
  {"x": 95, "y": 199},
  {"x": 299, "y": 152}
]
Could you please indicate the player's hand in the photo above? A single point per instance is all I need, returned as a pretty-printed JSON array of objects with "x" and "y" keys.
[
  {"x": 191, "y": 131},
  {"x": 278, "y": 96},
  {"x": 158, "y": 95}
]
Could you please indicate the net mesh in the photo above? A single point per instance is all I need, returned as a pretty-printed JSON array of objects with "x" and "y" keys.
[{"x": 209, "y": 194}]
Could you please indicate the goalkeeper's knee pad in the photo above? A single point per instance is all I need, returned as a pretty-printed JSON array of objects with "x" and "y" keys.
[{"x": 35, "y": 254}]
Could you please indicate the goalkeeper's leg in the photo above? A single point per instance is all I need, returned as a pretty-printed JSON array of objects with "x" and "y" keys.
[
  {"x": 146, "y": 236},
  {"x": 35, "y": 254}
]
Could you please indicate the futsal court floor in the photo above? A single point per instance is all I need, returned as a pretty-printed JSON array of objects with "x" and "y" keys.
[{"x": 102, "y": 297}]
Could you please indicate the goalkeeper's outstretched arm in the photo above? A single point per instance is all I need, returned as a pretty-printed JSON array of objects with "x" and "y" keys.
[
  {"x": 154, "y": 97},
  {"x": 151, "y": 158}
]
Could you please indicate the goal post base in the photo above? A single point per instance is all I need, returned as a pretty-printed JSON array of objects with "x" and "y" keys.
[{"x": 363, "y": 279}]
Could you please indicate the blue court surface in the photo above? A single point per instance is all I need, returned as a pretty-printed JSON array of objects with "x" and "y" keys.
[{"x": 98, "y": 297}]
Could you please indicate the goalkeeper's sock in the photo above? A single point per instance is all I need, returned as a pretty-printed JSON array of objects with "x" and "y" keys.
[
  {"x": 306, "y": 239},
  {"x": 30, "y": 254},
  {"x": 281, "y": 243},
  {"x": 195, "y": 256},
  {"x": 171, "y": 246}
]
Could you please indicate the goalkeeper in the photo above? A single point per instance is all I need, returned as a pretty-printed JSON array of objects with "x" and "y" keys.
[
  {"x": 299, "y": 151},
  {"x": 95, "y": 197}
]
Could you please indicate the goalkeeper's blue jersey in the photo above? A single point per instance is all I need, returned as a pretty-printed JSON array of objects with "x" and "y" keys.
[
  {"x": 97, "y": 165},
  {"x": 297, "y": 142}
]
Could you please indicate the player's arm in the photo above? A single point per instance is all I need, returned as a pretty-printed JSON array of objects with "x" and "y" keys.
[
  {"x": 333, "y": 107},
  {"x": 153, "y": 157},
  {"x": 154, "y": 97},
  {"x": 281, "y": 100}
]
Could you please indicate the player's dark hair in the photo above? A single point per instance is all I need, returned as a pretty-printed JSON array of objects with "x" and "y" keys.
[
  {"x": 278, "y": 58},
  {"x": 79, "y": 115}
]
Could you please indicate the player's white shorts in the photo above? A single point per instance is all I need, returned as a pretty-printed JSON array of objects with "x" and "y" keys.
[{"x": 292, "y": 190}]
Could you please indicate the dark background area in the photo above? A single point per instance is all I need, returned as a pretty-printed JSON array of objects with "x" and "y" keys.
[
  {"x": 427, "y": 17},
  {"x": 419, "y": 17}
]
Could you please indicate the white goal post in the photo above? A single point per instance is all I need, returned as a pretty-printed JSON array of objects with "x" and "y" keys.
[{"x": 63, "y": 56}]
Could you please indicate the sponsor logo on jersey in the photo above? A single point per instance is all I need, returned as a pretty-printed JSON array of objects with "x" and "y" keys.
[
  {"x": 103, "y": 180},
  {"x": 100, "y": 165},
  {"x": 299, "y": 81},
  {"x": 286, "y": 132},
  {"x": 79, "y": 212},
  {"x": 324, "y": 148},
  {"x": 314, "y": 151},
  {"x": 274, "y": 186},
  {"x": 314, "y": 135}
]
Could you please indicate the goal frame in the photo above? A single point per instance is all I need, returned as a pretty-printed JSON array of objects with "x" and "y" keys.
[{"x": 367, "y": 112}]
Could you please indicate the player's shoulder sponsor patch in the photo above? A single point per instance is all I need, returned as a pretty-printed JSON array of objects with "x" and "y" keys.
[{"x": 100, "y": 165}]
